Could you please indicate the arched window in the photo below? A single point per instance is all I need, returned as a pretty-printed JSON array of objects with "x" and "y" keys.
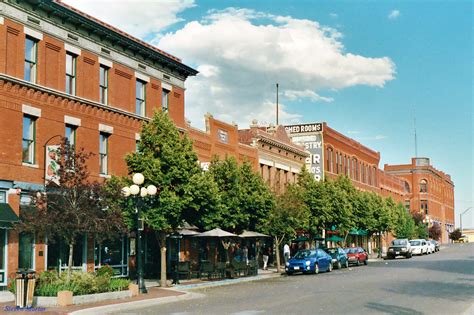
[
  {"x": 407, "y": 187},
  {"x": 356, "y": 169},
  {"x": 423, "y": 186},
  {"x": 329, "y": 159}
]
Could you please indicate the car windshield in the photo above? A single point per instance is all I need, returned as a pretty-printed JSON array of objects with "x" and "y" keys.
[
  {"x": 331, "y": 251},
  {"x": 399, "y": 242},
  {"x": 433, "y": 242},
  {"x": 415, "y": 243},
  {"x": 305, "y": 254},
  {"x": 351, "y": 250}
]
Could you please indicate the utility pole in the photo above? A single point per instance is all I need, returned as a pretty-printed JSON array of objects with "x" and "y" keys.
[
  {"x": 416, "y": 141},
  {"x": 277, "y": 104},
  {"x": 460, "y": 217}
]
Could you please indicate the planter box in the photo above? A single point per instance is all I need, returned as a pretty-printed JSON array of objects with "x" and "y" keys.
[{"x": 49, "y": 301}]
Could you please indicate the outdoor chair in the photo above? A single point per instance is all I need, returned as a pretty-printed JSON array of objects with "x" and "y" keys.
[
  {"x": 237, "y": 267},
  {"x": 206, "y": 268},
  {"x": 184, "y": 268},
  {"x": 252, "y": 268},
  {"x": 221, "y": 269}
]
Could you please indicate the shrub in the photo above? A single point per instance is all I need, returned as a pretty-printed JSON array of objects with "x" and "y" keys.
[
  {"x": 11, "y": 285},
  {"x": 81, "y": 283},
  {"x": 118, "y": 284},
  {"x": 48, "y": 277},
  {"x": 105, "y": 271}
]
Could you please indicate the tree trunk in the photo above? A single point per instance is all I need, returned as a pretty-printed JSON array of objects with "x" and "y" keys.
[
  {"x": 163, "y": 261},
  {"x": 380, "y": 245},
  {"x": 69, "y": 263},
  {"x": 277, "y": 244}
]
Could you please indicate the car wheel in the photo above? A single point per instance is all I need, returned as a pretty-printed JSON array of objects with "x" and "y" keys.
[
  {"x": 409, "y": 255},
  {"x": 316, "y": 268},
  {"x": 358, "y": 262},
  {"x": 339, "y": 265},
  {"x": 289, "y": 273},
  {"x": 346, "y": 265},
  {"x": 366, "y": 261},
  {"x": 330, "y": 267}
]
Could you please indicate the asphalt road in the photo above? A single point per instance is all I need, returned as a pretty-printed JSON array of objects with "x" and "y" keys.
[{"x": 441, "y": 283}]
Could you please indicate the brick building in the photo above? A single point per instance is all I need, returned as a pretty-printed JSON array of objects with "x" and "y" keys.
[
  {"x": 279, "y": 159},
  {"x": 334, "y": 154},
  {"x": 429, "y": 191},
  {"x": 64, "y": 73},
  {"x": 220, "y": 140}
]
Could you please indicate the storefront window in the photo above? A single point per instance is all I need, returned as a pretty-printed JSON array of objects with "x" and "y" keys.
[
  {"x": 26, "y": 252},
  {"x": 58, "y": 254},
  {"x": 113, "y": 253}
]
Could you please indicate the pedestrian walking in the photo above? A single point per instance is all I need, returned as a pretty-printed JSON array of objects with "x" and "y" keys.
[
  {"x": 265, "y": 257},
  {"x": 286, "y": 252},
  {"x": 245, "y": 254}
]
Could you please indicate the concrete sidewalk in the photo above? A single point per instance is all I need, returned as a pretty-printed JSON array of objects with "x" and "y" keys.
[{"x": 155, "y": 296}]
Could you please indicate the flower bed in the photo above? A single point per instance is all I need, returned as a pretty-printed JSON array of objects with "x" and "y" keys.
[{"x": 49, "y": 283}]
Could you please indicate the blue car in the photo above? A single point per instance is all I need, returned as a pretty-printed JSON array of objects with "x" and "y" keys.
[
  {"x": 339, "y": 257},
  {"x": 309, "y": 261}
]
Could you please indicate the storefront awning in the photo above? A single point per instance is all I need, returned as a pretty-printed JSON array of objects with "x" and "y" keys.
[
  {"x": 358, "y": 232},
  {"x": 7, "y": 216},
  {"x": 335, "y": 238}
]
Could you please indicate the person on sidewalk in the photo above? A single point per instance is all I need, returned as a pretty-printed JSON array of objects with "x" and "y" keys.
[
  {"x": 265, "y": 257},
  {"x": 286, "y": 253}
]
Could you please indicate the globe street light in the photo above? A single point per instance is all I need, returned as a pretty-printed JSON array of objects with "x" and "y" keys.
[{"x": 135, "y": 191}]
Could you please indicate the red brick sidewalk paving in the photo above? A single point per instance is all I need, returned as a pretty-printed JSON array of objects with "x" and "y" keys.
[{"x": 153, "y": 293}]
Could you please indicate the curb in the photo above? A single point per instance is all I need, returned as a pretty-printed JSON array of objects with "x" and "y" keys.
[
  {"x": 225, "y": 282},
  {"x": 110, "y": 309}
]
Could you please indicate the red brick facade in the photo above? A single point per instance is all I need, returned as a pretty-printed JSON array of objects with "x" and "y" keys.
[
  {"x": 430, "y": 191},
  {"x": 220, "y": 139},
  {"x": 44, "y": 100}
]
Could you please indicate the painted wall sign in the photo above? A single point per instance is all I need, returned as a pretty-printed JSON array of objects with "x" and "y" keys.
[
  {"x": 304, "y": 128},
  {"x": 310, "y": 136}
]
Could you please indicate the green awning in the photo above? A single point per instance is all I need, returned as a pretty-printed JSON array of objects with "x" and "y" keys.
[
  {"x": 358, "y": 232},
  {"x": 300, "y": 239},
  {"x": 335, "y": 238},
  {"x": 7, "y": 216}
]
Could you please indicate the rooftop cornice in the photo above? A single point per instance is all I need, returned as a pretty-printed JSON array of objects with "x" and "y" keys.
[
  {"x": 282, "y": 146},
  {"x": 48, "y": 9}
]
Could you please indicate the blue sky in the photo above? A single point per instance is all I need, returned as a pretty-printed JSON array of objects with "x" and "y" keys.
[{"x": 365, "y": 67}]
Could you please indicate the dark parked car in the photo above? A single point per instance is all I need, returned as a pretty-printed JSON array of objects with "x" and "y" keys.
[
  {"x": 339, "y": 257},
  {"x": 357, "y": 256},
  {"x": 436, "y": 244},
  {"x": 399, "y": 247},
  {"x": 309, "y": 261}
]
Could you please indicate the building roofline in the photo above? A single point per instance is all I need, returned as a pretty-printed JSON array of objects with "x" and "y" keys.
[{"x": 91, "y": 24}]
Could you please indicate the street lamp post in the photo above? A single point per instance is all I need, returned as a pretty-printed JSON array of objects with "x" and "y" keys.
[
  {"x": 136, "y": 192},
  {"x": 460, "y": 217}
]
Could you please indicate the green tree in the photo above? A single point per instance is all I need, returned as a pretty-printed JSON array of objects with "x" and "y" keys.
[
  {"x": 455, "y": 235},
  {"x": 205, "y": 208},
  {"x": 341, "y": 214},
  {"x": 289, "y": 214},
  {"x": 167, "y": 160},
  {"x": 405, "y": 225},
  {"x": 316, "y": 197},
  {"x": 256, "y": 198},
  {"x": 226, "y": 175}
]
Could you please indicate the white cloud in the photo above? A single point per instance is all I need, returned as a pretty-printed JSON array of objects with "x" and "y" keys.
[
  {"x": 139, "y": 18},
  {"x": 333, "y": 15},
  {"x": 353, "y": 132},
  {"x": 293, "y": 95},
  {"x": 241, "y": 61},
  {"x": 394, "y": 14}
]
